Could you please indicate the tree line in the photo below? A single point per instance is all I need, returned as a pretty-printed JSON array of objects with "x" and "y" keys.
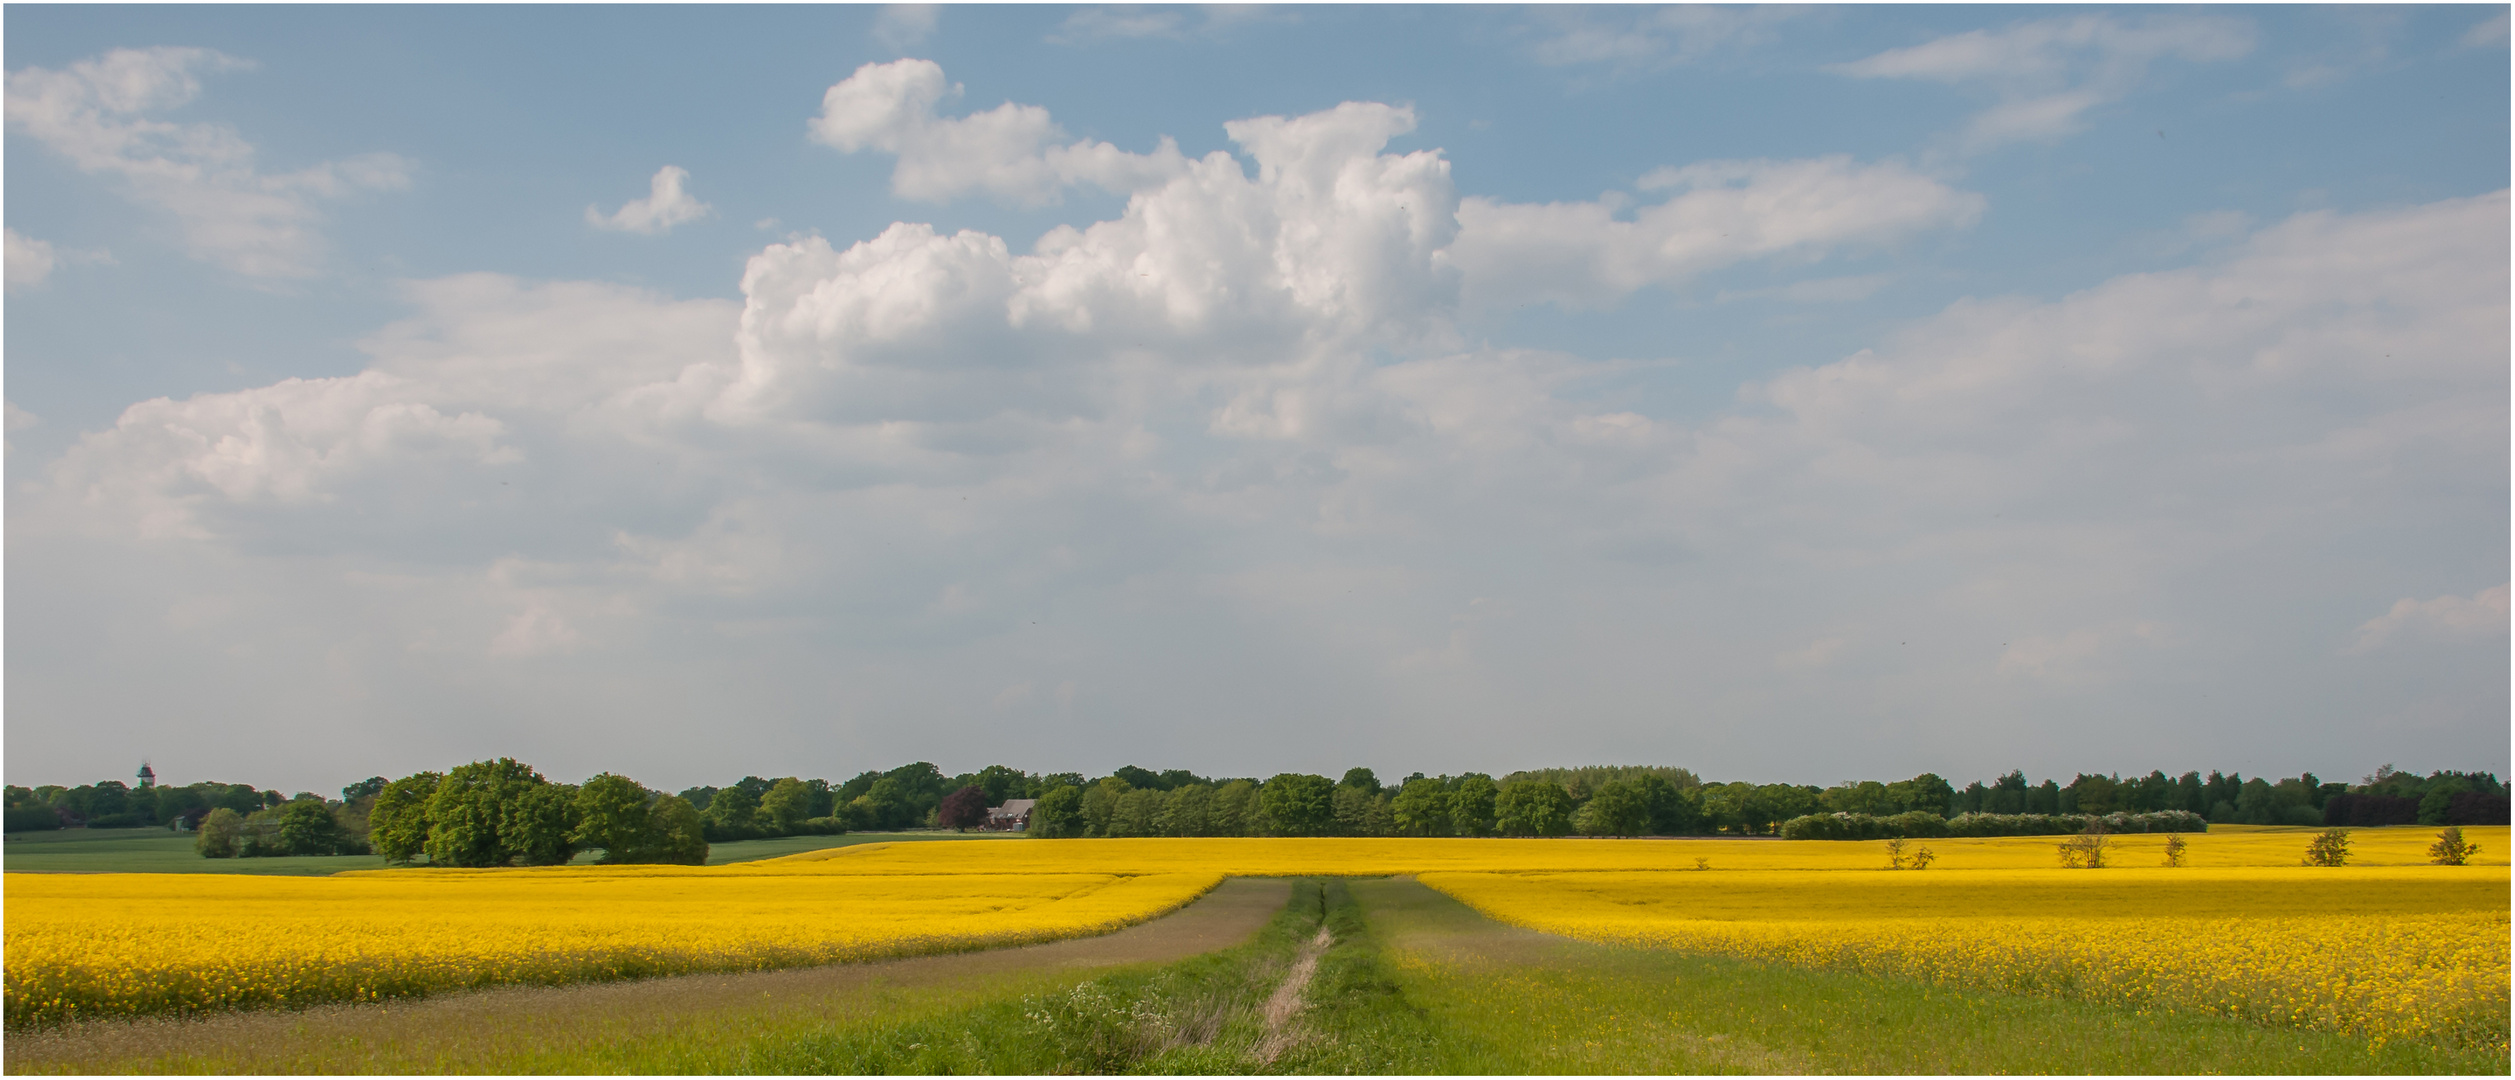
[{"x": 503, "y": 812}]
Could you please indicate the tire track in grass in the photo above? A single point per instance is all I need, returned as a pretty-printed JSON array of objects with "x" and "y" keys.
[{"x": 1286, "y": 1002}]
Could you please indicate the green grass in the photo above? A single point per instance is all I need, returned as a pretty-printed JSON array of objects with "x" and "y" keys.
[
  {"x": 151, "y": 851},
  {"x": 161, "y": 851}
]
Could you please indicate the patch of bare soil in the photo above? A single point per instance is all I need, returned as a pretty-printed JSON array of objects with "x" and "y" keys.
[{"x": 511, "y": 1029}]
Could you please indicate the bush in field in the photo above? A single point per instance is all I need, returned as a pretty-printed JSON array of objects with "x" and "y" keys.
[
  {"x": 2451, "y": 849},
  {"x": 2329, "y": 848},
  {"x": 2175, "y": 848},
  {"x": 2161, "y": 821},
  {"x": 218, "y": 834},
  {"x": 2085, "y": 851}
]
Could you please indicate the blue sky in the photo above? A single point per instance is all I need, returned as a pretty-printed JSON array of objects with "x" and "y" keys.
[{"x": 1789, "y": 394}]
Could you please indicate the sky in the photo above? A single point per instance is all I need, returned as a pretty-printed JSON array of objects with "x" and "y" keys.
[{"x": 1788, "y": 394}]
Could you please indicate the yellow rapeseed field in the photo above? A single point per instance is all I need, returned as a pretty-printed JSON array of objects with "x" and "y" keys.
[
  {"x": 2393, "y": 953},
  {"x": 2241, "y": 929},
  {"x": 105, "y": 944}
]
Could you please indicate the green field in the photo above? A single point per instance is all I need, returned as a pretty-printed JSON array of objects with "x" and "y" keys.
[{"x": 161, "y": 851}]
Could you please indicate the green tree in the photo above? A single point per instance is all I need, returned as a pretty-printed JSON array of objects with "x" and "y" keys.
[
  {"x": 469, "y": 815},
  {"x": 680, "y": 836},
  {"x": 1422, "y": 808},
  {"x": 1615, "y": 809},
  {"x": 1532, "y": 808},
  {"x": 1057, "y": 814},
  {"x": 785, "y": 806},
  {"x": 1471, "y": 805},
  {"x": 306, "y": 827},
  {"x": 218, "y": 834},
  {"x": 397, "y": 826},
  {"x": 1358, "y": 811},
  {"x": 1234, "y": 807},
  {"x": 1360, "y": 778},
  {"x": 1297, "y": 804},
  {"x": 734, "y": 812},
  {"x": 612, "y": 815},
  {"x": 539, "y": 826},
  {"x": 2451, "y": 849},
  {"x": 2328, "y": 848},
  {"x": 1188, "y": 812},
  {"x": 1138, "y": 813},
  {"x": 1100, "y": 802}
]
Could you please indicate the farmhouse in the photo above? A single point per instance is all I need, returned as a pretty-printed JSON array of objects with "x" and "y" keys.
[{"x": 1013, "y": 816}]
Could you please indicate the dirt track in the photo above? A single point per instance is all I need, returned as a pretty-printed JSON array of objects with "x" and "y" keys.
[{"x": 511, "y": 1030}]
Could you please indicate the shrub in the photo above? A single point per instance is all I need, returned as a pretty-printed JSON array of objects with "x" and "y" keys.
[
  {"x": 2175, "y": 847},
  {"x": 2085, "y": 851},
  {"x": 216, "y": 838},
  {"x": 2451, "y": 849},
  {"x": 2161, "y": 821},
  {"x": 2329, "y": 848},
  {"x": 1846, "y": 826}
]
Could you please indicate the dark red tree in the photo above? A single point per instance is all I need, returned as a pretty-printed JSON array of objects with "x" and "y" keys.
[{"x": 963, "y": 810}]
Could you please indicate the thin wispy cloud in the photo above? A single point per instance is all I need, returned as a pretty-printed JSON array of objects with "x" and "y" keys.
[
  {"x": 2045, "y": 75},
  {"x": 103, "y": 115}
]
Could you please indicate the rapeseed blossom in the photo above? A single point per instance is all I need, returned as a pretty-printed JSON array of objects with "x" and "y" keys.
[
  {"x": 2394, "y": 953},
  {"x": 2387, "y": 945},
  {"x": 126, "y": 944}
]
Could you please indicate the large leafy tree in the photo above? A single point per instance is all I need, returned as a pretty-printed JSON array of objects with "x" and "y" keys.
[
  {"x": 785, "y": 806},
  {"x": 478, "y": 816},
  {"x": 1615, "y": 809},
  {"x": 1058, "y": 813},
  {"x": 1422, "y": 808},
  {"x": 680, "y": 836},
  {"x": 612, "y": 814},
  {"x": 1471, "y": 805},
  {"x": 398, "y": 824},
  {"x": 1533, "y": 808},
  {"x": 1298, "y": 804},
  {"x": 307, "y": 827}
]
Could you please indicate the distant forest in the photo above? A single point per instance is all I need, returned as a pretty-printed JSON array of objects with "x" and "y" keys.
[{"x": 502, "y": 812}]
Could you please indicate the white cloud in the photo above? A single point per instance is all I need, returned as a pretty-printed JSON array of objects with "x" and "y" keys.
[
  {"x": 29, "y": 261},
  {"x": 1589, "y": 254},
  {"x": 2049, "y": 72},
  {"x": 664, "y": 206},
  {"x": 1015, "y": 153},
  {"x": 2486, "y": 32},
  {"x": 1126, "y": 22},
  {"x": 1650, "y": 37},
  {"x": 900, "y": 27},
  {"x": 2445, "y": 618},
  {"x": 99, "y": 114},
  {"x": 1227, "y": 453}
]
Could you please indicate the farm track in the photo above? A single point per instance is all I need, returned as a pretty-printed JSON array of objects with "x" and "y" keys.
[{"x": 512, "y": 1029}]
